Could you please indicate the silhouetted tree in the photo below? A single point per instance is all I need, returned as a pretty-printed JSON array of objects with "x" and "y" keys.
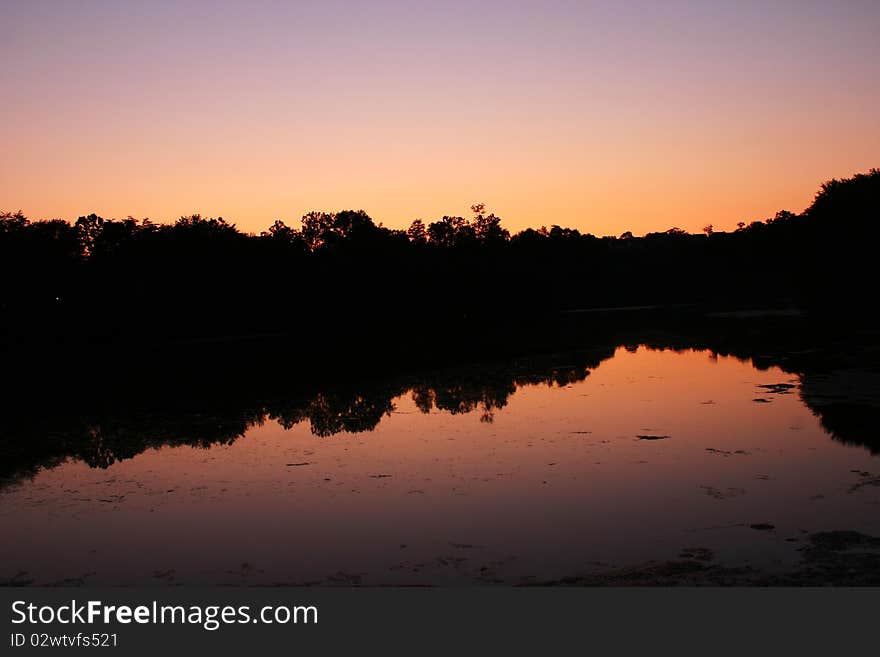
[
  {"x": 417, "y": 233},
  {"x": 88, "y": 228},
  {"x": 487, "y": 228}
]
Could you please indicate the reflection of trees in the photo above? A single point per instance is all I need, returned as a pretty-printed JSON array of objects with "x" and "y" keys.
[
  {"x": 852, "y": 424},
  {"x": 839, "y": 383},
  {"x": 106, "y": 438},
  {"x": 847, "y": 402},
  {"x": 332, "y": 413},
  {"x": 465, "y": 397},
  {"x": 103, "y": 437},
  {"x": 112, "y": 438},
  {"x": 489, "y": 389},
  {"x": 839, "y": 372},
  {"x": 470, "y": 396}
]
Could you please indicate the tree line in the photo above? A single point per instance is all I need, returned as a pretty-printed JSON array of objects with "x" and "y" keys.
[{"x": 343, "y": 274}]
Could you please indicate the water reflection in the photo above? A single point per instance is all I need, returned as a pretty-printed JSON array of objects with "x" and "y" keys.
[
  {"x": 845, "y": 397},
  {"x": 560, "y": 468},
  {"x": 103, "y": 437}
]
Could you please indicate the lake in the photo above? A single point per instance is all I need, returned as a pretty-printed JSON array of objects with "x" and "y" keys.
[{"x": 633, "y": 465}]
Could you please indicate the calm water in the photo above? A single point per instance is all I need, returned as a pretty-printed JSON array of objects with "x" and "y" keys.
[{"x": 651, "y": 456}]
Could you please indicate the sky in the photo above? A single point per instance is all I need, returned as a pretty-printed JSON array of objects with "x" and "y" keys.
[{"x": 605, "y": 116}]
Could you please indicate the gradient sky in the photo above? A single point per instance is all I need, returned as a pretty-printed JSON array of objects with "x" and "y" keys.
[{"x": 604, "y": 116}]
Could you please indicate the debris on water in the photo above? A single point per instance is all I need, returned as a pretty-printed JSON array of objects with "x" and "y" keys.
[
  {"x": 724, "y": 452},
  {"x": 840, "y": 540},
  {"x": 295, "y": 465},
  {"x": 719, "y": 494},
  {"x": 345, "y": 578},
  {"x": 651, "y": 437},
  {"x": 761, "y": 400},
  {"x": 379, "y": 476},
  {"x": 867, "y": 480},
  {"x": 763, "y": 526},
  {"x": 777, "y": 388},
  {"x": 698, "y": 553},
  {"x": 19, "y": 579}
]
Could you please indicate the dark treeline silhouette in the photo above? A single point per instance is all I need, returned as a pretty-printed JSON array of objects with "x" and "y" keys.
[
  {"x": 341, "y": 279},
  {"x": 103, "y": 420}
]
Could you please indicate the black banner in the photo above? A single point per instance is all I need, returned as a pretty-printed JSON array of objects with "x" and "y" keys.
[{"x": 143, "y": 621}]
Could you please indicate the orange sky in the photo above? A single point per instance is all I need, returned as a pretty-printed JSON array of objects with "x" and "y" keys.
[{"x": 597, "y": 115}]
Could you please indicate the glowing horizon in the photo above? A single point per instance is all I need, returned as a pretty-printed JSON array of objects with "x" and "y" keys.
[{"x": 592, "y": 115}]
